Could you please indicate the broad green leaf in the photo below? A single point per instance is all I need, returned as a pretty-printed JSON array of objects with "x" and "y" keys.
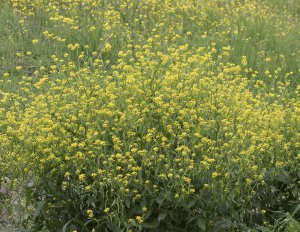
[
  {"x": 191, "y": 203},
  {"x": 151, "y": 225},
  {"x": 127, "y": 202},
  {"x": 296, "y": 210},
  {"x": 64, "y": 229},
  {"x": 201, "y": 224},
  {"x": 162, "y": 216},
  {"x": 160, "y": 200}
]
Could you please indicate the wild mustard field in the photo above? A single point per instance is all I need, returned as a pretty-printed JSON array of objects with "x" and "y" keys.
[{"x": 150, "y": 115}]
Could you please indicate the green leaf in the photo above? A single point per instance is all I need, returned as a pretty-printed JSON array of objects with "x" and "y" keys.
[
  {"x": 263, "y": 229},
  {"x": 284, "y": 177},
  {"x": 191, "y": 203},
  {"x": 148, "y": 214},
  {"x": 64, "y": 229},
  {"x": 160, "y": 200},
  {"x": 296, "y": 210},
  {"x": 293, "y": 225},
  {"x": 151, "y": 225},
  {"x": 201, "y": 224},
  {"x": 298, "y": 173},
  {"x": 162, "y": 216},
  {"x": 127, "y": 202},
  {"x": 52, "y": 188},
  {"x": 192, "y": 219},
  {"x": 40, "y": 208}
]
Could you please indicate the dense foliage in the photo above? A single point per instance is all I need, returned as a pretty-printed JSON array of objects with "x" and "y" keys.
[{"x": 152, "y": 115}]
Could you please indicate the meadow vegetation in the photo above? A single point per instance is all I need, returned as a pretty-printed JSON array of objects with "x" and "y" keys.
[{"x": 157, "y": 115}]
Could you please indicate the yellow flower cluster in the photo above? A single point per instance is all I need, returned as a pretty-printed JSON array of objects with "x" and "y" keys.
[{"x": 143, "y": 100}]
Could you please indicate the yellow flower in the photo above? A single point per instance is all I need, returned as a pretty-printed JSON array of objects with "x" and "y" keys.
[
  {"x": 92, "y": 28},
  {"x": 139, "y": 219},
  {"x": 248, "y": 181},
  {"x": 35, "y": 41},
  {"x": 90, "y": 213},
  {"x": 81, "y": 177},
  {"x": 192, "y": 190},
  {"x": 268, "y": 59},
  {"x": 215, "y": 174},
  {"x": 170, "y": 175},
  {"x": 244, "y": 61},
  {"x": 107, "y": 47},
  {"x": 18, "y": 68},
  {"x": 88, "y": 188}
]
